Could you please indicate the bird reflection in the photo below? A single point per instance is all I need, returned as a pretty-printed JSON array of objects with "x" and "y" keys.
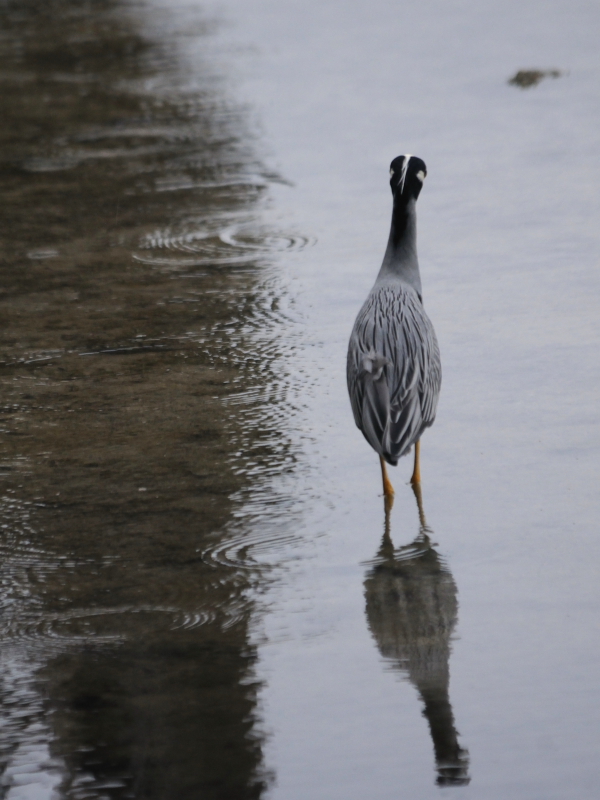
[{"x": 411, "y": 610}]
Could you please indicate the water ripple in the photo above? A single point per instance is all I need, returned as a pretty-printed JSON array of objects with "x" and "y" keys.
[
  {"x": 234, "y": 243},
  {"x": 28, "y": 767},
  {"x": 247, "y": 551},
  {"x": 23, "y": 618},
  {"x": 106, "y": 625}
]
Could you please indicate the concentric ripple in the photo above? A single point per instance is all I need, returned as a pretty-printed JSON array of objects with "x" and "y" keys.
[
  {"x": 236, "y": 243},
  {"x": 24, "y": 619},
  {"x": 247, "y": 551},
  {"x": 104, "y": 625}
]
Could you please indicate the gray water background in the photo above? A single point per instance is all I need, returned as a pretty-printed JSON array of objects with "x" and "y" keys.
[{"x": 200, "y": 595}]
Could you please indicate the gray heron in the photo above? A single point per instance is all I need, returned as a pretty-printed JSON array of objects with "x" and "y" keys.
[{"x": 393, "y": 369}]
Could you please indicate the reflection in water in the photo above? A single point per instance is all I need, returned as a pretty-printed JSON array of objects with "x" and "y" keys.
[
  {"x": 140, "y": 351},
  {"x": 412, "y": 610}
]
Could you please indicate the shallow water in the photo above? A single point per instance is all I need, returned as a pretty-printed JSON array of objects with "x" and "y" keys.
[{"x": 201, "y": 595}]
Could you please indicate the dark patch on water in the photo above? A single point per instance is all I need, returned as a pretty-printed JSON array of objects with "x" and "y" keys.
[
  {"x": 526, "y": 78},
  {"x": 120, "y": 487}
]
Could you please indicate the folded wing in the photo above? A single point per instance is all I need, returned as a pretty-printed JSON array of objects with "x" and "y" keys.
[{"x": 394, "y": 372}]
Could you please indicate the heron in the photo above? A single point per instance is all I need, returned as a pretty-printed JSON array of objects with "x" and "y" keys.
[{"x": 394, "y": 370}]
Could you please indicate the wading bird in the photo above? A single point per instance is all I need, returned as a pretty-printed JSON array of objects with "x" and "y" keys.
[{"x": 394, "y": 372}]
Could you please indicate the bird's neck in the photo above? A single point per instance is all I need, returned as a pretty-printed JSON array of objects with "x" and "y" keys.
[{"x": 400, "y": 260}]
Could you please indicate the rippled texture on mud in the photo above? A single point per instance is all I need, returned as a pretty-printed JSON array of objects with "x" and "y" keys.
[{"x": 139, "y": 345}]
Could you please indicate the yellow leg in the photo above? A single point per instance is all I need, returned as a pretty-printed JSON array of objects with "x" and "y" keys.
[
  {"x": 416, "y": 476},
  {"x": 388, "y": 489}
]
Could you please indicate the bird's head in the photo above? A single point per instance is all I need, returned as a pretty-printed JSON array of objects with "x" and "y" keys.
[{"x": 407, "y": 174}]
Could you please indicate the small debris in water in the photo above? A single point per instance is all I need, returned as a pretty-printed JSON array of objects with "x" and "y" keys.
[{"x": 525, "y": 78}]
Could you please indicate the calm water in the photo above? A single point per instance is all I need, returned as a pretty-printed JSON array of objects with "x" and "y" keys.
[{"x": 201, "y": 595}]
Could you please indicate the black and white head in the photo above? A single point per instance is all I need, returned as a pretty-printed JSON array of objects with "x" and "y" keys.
[{"x": 407, "y": 174}]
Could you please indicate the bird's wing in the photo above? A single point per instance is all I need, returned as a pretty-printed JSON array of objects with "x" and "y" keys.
[
  {"x": 367, "y": 383},
  {"x": 394, "y": 370},
  {"x": 414, "y": 374},
  {"x": 431, "y": 378},
  {"x": 369, "y": 394}
]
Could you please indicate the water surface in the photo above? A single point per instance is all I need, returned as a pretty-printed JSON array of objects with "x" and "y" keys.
[
  {"x": 135, "y": 273},
  {"x": 201, "y": 593}
]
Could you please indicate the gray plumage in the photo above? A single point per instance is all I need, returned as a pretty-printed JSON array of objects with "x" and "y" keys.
[{"x": 393, "y": 369}]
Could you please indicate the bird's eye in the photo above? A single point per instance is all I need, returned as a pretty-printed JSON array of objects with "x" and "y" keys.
[
  {"x": 421, "y": 175},
  {"x": 391, "y": 173}
]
